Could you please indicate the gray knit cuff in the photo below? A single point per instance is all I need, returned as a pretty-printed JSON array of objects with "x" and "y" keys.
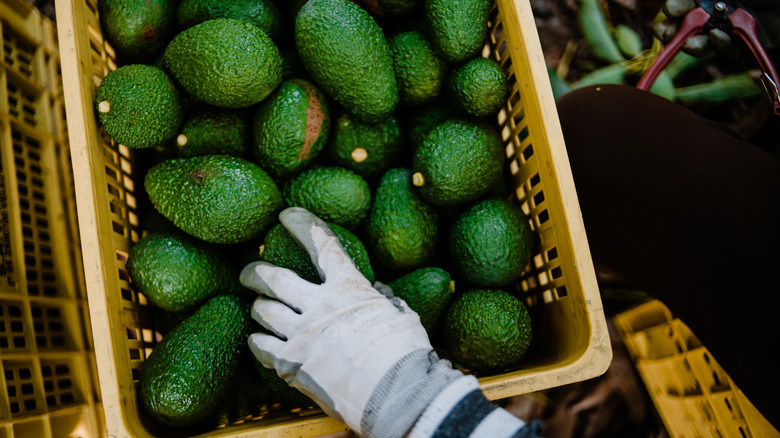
[{"x": 404, "y": 392}]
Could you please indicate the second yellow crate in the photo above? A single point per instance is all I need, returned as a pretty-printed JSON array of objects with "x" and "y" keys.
[{"x": 692, "y": 394}]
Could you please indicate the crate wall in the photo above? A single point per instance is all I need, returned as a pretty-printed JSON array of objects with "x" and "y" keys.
[{"x": 47, "y": 384}]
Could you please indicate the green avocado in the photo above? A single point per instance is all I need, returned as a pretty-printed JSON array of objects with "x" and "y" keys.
[
  {"x": 401, "y": 230},
  {"x": 346, "y": 54},
  {"x": 427, "y": 291},
  {"x": 281, "y": 249},
  {"x": 419, "y": 70},
  {"x": 138, "y": 30},
  {"x": 216, "y": 198},
  {"x": 291, "y": 128},
  {"x": 479, "y": 87},
  {"x": 262, "y": 13},
  {"x": 139, "y": 106},
  {"x": 225, "y": 62},
  {"x": 178, "y": 273},
  {"x": 189, "y": 373},
  {"x": 486, "y": 330},
  {"x": 334, "y": 194},
  {"x": 214, "y": 131},
  {"x": 366, "y": 149},
  {"x": 491, "y": 243},
  {"x": 457, "y": 28},
  {"x": 458, "y": 162}
]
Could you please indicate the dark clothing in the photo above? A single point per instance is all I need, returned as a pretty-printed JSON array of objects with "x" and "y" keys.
[{"x": 681, "y": 208}]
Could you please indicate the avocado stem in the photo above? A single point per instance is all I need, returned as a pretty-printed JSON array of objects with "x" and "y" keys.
[
  {"x": 359, "y": 155},
  {"x": 418, "y": 179},
  {"x": 452, "y": 286},
  {"x": 261, "y": 250},
  {"x": 181, "y": 140},
  {"x": 104, "y": 106}
]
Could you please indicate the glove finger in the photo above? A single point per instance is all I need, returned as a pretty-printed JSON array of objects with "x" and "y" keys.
[
  {"x": 264, "y": 348},
  {"x": 276, "y": 317},
  {"x": 279, "y": 283},
  {"x": 324, "y": 248}
]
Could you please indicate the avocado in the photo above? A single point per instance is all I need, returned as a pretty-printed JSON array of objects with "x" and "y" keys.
[
  {"x": 188, "y": 374},
  {"x": 138, "y": 30},
  {"x": 366, "y": 149},
  {"x": 391, "y": 8},
  {"x": 139, "y": 106},
  {"x": 248, "y": 396},
  {"x": 332, "y": 193},
  {"x": 419, "y": 70},
  {"x": 214, "y": 131},
  {"x": 291, "y": 128},
  {"x": 292, "y": 67},
  {"x": 421, "y": 120},
  {"x": 401, "y": 229},
  {"x": 225, "y": 62},
  {"x": 427, "y": 291},
  {"x": 458, "y": 162},
  {"x": 279, "y": 391},
  {"x": 281, "y": 249},
  {"x": 479, "y": 87},
  {"x": 216, "y": 198},
  {"x": 346, "y": 54},
  {"x": 457, "y": 29},
  {"x": 262, "y": 13},
  {"x": 486, "y": 330},
  {"x": 178, "y": 273},
  {"x": 491, "y": 243}
]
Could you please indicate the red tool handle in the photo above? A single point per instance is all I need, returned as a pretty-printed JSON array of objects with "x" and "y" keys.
[
  {"x": 745, "y": 26},
  {"x": 691, "y": 24}
]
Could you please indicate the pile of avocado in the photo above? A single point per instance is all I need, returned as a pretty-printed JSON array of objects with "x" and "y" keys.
[{"x": 379, "y": 116}]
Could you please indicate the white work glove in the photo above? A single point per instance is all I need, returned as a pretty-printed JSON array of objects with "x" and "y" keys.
[{"x": 364, "y": 358}]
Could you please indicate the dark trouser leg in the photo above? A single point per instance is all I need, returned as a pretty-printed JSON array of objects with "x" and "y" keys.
[{"x": 679, "y": 207}]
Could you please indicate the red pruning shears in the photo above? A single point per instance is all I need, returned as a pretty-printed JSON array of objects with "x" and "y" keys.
[{"x": 719, "y": 14}]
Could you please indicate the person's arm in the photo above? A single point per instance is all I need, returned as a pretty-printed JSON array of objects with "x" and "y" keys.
[{"x": 364, "y": 358}]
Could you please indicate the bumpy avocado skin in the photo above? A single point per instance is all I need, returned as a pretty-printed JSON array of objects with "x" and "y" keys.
[
  {"x": 366, "y": 149},
  {"x": 486, "y": 330},
  {"x": 281, "y": 249},
  {"x": 139, "y": 106},
  {"x": 216, "y": 198},
  {"x": 346, "y": 54},
  {"x": 419, "y": 70},
  {"x": 334, "y": 194},
  {"x": 225, "y": 62},
  {"x": 188, "y": 374},
  {"x": 401, "y": 228},
  {"x": 457, "y": 28},
  {"x": 178, "y": 273},
  {"x": 262, "y": 13},
  {"x": 479, "y": 88},
  {"x": 214, "y": 131},
  {"x": 459, "y": 161},
  {"x": 491, "y": 243},
  {"x": 427, "y": 291},
  {"x": 138, "y": 30},
  {"x": 290, "y": 128}
]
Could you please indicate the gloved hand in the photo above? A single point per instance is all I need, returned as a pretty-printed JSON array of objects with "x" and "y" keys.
[
  {"x": 364, "y": 358},
  {"x": 766, "y": 13}
]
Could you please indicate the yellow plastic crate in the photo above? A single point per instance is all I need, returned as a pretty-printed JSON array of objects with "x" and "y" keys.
[
  {"x": 692, "y": 394},
  {"x": 570, "y": 335},
  {"x": 48, "y": 385}
]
